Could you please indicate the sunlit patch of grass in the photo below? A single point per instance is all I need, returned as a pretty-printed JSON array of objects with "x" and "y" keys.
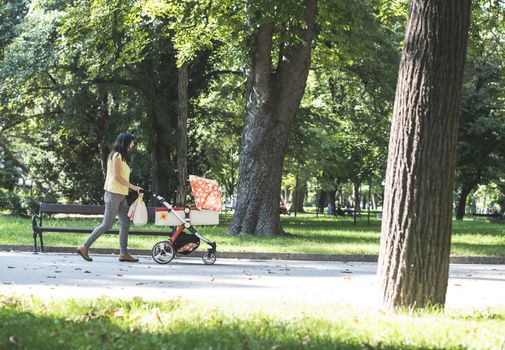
[{"x": 31, "y": 323}]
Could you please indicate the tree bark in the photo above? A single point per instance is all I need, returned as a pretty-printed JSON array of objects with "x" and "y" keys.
[
  {"x": 416, "y": 229},
  {"x": 272, "y": 104},
  {"x": 182, "y": 136}
]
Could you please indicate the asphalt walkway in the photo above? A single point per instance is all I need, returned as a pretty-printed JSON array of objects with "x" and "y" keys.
[{"x": 64, "y": 275}]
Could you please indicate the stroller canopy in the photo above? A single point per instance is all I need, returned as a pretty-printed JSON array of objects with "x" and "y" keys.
[{"x": 206, "y": 192}]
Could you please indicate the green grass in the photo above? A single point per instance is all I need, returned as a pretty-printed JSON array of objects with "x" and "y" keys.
[
  {"x": 310, "y": 234},
  {"x": 30, "y": 323}
]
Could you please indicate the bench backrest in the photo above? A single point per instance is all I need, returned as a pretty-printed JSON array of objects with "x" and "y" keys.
[{"x": 56, "y": 208}]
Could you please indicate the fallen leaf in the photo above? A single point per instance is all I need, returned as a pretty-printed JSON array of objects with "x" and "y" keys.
[
  {"x": 10, "y": 267},
  {"x": 87, "y": 271}
]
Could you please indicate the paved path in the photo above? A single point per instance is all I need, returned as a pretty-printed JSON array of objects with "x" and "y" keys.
[{"x": 228, "y": 280}]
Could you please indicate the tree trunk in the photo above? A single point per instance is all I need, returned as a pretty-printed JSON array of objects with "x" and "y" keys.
[
  {"x": 102, "y": 126},
  {"x": 340, "y": 196},
  {"x": 298, "y": 197},
  {"x": 182, "y": 136},
  {"x": 272, "y": 105},
  {"x": 330, "y": 199},
  {"x": 466, "y": 188},
  {"x": 356, "y": 184},
  {"x": 321, "y": 202},
  {"x": 416, "y": 229},
  {"x": 148, "y": 87}
]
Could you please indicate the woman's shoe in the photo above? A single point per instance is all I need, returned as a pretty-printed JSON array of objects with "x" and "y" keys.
[
  {"x": 83, "y": 251},
  {"x": 127, "y": 257}
]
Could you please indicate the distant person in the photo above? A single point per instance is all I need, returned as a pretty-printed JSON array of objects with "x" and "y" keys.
[
  {"x": 339, "y": 211},
  {"x": 283, "y": 209},
  {"x": 116, "y": 189},
  {"x": 330, "y": 209}
]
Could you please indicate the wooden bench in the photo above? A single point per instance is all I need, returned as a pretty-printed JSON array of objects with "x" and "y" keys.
[
  {"x": 53, "y": 208},
  {"x": 492, "y": 215}
]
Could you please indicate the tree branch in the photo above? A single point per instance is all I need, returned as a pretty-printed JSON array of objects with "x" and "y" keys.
[{"x": 10, "y": 155}]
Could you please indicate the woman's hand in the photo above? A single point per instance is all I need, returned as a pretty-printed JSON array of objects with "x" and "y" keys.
[{"x": 136, "y": 188}]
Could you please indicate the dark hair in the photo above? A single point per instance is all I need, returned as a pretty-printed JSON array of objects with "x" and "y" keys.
[{"x": 121, "y": 145}]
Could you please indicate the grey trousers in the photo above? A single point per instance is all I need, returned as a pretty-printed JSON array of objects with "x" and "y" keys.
[{"x": 115, "y": 204}]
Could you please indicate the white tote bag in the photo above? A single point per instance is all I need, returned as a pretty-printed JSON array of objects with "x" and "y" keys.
[
  {"x": 131, "y": 211},
  {"x": 139, "y": 214}
]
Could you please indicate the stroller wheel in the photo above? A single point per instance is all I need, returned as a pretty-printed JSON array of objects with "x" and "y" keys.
[
  {"x": 209, "y": 258},
  {"x": 163, "y": 252}
]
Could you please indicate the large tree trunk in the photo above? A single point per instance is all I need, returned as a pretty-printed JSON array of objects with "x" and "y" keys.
[
  {"x": 416, "y": 229},
  {"x": 182, "y": 136},
  {"x": 272, "y": 104}
]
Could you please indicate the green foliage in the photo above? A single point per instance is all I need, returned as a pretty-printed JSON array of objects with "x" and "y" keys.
[
  {"x": 102, "y": 68},
  {"x": 11, "y": 13},
  {"x": 342, "y": 130},
  {"x": 215, "y": 129},
  {"x": 480, "y": 154},
  {"x": 74, "y": 74}
]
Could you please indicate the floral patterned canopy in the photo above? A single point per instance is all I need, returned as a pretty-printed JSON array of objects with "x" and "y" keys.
[{"x": 206, "y": 192}]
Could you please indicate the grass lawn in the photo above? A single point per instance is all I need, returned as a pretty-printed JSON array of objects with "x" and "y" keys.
[
  {"x": 310, "y": 234},
  {"x": 101, "y": 323}
]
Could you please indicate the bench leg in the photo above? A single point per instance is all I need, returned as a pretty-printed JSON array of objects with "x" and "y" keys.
[
  {"x": 41, "y": 242},
  {"x": 35, "y": 242}
]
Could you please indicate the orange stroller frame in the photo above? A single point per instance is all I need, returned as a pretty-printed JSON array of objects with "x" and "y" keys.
[{"x": 208, "y": 200}]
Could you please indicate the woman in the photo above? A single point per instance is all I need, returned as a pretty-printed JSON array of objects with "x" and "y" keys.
[{"x": 116, "y": 188}]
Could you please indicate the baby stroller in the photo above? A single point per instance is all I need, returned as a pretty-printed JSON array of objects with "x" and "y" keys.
[{"x": 186, "y": 239}]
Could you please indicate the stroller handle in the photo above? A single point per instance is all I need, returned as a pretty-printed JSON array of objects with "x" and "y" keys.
[{"x": 158, "y": 197}]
